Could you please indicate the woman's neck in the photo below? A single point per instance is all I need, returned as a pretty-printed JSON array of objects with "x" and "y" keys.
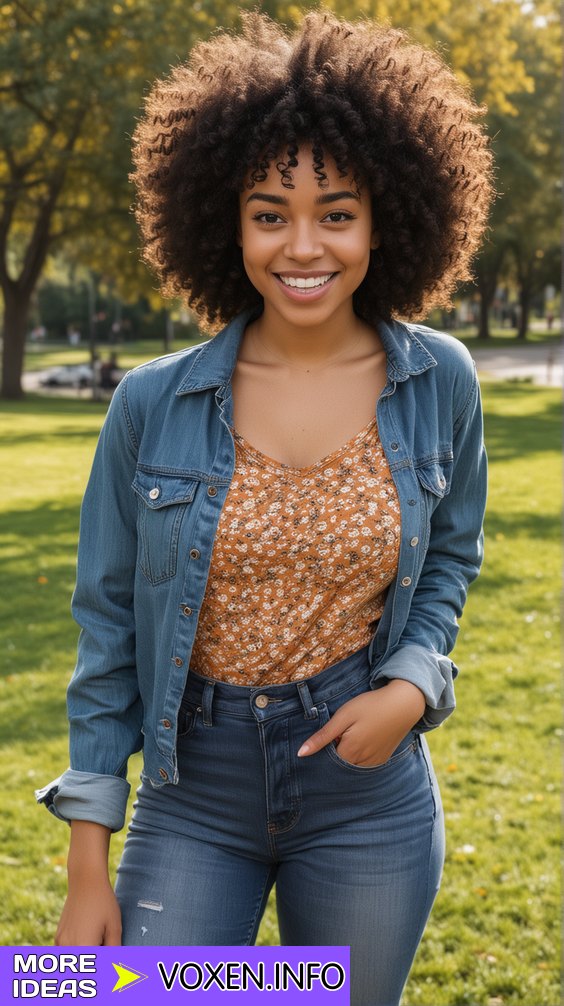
[{"x": 308, "y": 348}]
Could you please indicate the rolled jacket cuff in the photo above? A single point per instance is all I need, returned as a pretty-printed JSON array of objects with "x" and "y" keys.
[
  {"x": 87, "y": 796},
  {"x": 431, "y": 672}
]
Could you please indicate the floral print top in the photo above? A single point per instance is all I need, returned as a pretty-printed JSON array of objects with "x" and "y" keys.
[{"x": 301, "y": 563}]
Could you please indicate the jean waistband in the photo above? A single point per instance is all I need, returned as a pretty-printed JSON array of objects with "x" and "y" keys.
[{"x": 266, "y": 701}]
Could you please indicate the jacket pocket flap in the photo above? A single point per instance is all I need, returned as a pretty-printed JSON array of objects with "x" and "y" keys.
[
  {"x": 161, "y": 490},
  {"x": 436, "y": 477}
]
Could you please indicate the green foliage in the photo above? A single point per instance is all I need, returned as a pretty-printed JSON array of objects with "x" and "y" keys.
[
  {"x": 73, "y": 76},
  {"x": 523, "y": 247},
  {"x": 494, "y": 931},
  {"x": 476, "y": 40},
  {"x": 72, "y": 79}
]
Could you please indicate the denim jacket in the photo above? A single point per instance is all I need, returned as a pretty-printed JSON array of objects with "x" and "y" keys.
[{"x": 161, "y": 472}]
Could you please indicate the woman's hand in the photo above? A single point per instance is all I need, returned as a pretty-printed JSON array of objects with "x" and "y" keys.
[
  {"x": 91, "y": 917},
  {"x": 91, "y": 914},
  {"x": 370, "y": 726}
]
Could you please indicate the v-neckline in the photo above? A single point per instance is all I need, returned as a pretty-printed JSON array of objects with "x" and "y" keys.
[{"x": 266, "y": 462}]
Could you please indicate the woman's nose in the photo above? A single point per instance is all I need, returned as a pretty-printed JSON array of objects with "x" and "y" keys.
[{"x": 303, "y": 243}]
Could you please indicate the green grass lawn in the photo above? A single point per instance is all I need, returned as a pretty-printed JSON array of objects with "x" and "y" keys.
[{"x": 493, "y": 934}]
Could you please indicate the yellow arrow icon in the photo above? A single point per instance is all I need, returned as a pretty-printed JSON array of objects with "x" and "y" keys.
[{"x": 126, "y": 976}]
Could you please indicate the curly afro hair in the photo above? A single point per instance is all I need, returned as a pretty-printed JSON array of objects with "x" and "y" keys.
[{"x": 390, "y": 113}]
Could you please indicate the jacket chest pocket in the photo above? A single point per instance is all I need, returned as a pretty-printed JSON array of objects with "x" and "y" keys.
[
  {"x": 162, "y": 504},
  {"x": 434, "y": 477}
]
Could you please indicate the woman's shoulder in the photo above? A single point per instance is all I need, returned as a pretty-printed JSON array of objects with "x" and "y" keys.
[
  {"x": 440, "y": 365},
  {"x": 446, "y": 349},
  {"x": 163, "y": 371},
  {"x": 205, "y": 365},
  {"x": 414, "y": 349}
]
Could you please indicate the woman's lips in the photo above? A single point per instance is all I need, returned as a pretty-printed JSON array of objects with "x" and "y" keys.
[{"x": 305, "y": 296}]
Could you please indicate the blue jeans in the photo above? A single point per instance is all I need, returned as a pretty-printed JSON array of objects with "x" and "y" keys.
[{"x": 356, "y": 853}]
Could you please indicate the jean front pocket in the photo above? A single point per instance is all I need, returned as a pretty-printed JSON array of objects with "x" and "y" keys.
[
  {"x": 407, "y": 746},
  {"x": 187, "y": 716},
  {"x": 163, "y": 500}
]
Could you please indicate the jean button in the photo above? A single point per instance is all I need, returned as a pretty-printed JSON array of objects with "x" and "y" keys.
[
  {"x": 406, "y": 581},
  {"x": 212, "y": 491},
  {"x": 154, "y": 494},
  {"x": 261, "y": 701},
  {"x": 194, "y": 553},
  {"x": 414, "y": 541},
  {"x": 178, "y": 661}
]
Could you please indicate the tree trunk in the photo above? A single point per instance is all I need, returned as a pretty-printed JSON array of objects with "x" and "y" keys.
[
  {"x": 525, "y": 303},
  {"x": 16, "y": 310},
  {"x": 487, "y": 270},
  {"x": 483, "y": 324}
]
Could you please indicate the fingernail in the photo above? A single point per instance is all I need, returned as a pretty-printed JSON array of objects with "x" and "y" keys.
[{"x": 303, "y": 750}]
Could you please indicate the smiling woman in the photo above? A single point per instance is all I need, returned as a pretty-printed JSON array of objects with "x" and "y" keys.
[{"x": 281, "y": 525}]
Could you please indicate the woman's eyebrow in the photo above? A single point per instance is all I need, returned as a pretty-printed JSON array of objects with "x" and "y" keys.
[
  {"x": 334, "y": 197},
  {"x": 267, "y": 198},
  {"x": 327, "y": 197}
]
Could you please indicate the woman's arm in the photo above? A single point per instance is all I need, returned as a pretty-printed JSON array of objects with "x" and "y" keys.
[
  {"x": 91, "y": 916},
  {"x": 104, "y": 706}
]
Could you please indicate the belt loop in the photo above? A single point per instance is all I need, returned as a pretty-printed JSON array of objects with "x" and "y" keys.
[
  {"x": 309, "y": 709},
  {"x": 207, "y": 698}
]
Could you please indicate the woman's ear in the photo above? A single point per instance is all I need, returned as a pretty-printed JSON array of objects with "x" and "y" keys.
[{"x": 375, "y": 240}]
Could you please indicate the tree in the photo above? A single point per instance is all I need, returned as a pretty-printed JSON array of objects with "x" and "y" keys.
[
  {"x": 524, "y": 242},
  {"x": 534, "y": 221},
  {"x": 73, "y": 72}
]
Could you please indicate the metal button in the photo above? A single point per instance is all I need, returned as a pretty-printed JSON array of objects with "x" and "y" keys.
[
  {"x": 162, "y": 773},
  {"x": 406, "y": 581},
  {"x": 187, "y": 610},
  {"x": 412, "y": 502},
  {"x": 212, "y": 491},
  {"x": 414, "y": 541},
  {"x": 154, "y": 494},
  {"x": 261, "y": 701},
  {"x": 178, "y": 661},
  {"x": 395, "y": 447},
  {"x": 442, "y": 483},
  {"x": 194, "y": 554},
  {"x": 166, "y": 724}
]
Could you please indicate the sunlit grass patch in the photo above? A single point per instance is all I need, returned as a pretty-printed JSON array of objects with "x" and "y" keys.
[{"x": 493, "y": 935}]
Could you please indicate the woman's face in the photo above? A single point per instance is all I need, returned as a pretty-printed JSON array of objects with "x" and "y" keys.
[{"x": 306, "y": 249}]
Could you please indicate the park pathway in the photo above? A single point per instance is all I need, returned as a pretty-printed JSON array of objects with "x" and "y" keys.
[{"x": 542, "y": 362}]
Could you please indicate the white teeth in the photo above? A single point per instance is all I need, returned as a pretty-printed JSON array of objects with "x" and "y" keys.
[{"x": 306, "y": 284}]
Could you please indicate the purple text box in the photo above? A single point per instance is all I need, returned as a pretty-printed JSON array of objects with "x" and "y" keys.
[{"x": 150, "y": 975}]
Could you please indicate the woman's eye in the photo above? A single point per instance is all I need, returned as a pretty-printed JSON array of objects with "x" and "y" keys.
[
  {"x": 268, "y": 218},
  {"x": 337, "y": 217}
]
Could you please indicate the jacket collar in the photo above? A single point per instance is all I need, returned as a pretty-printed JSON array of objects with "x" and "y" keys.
[
  {"x": 406, "y": 356},
  {"x": 213, "y": 366},
  {"x": 215, "y": 363}
]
